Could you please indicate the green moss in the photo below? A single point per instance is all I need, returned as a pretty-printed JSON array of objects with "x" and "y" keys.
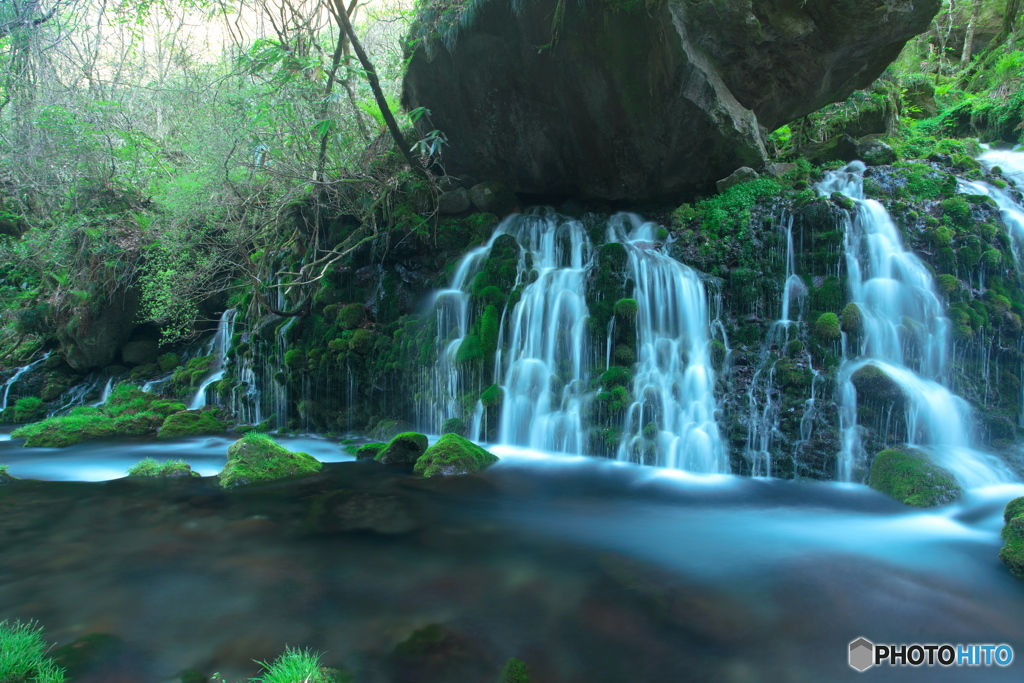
[
  {"x": 514, "y": 671},
  {"x": 60, "y": 432},
  {"x": 295, "y": 359},
  {"x": 626, "y": 310},
  {"x": 470, "y": 350},
  {"x": 718, "y": 352},
  {"x": 24, "y": 409},
  {"x": 191, "y": 376},
  {"x": 453, "y": 425},
  {"x": 168, "y": 468},
  {"x": 351, "y": 316},
  {"x": 452, "y": 455},
  {"x": 362, "y": 342},
  {"x": 403, "y": 449},
  {"x": 616, "y": 377},
  {"x": 489, "y": 326},
  {"x": 842, "y": 201},
  {"x": 23, "y": 657},
  {"x": 957, "y": 210},
  {"x": 168, "y": 361},
  {"x": 828, "y": 296},
  {"x": 911, "y": 478},
  {"x": 190, "y": 424},
  {"x": 491, "y": 396},
  {"x": 1012, "y": 552},
  {"x": 826, "y": 327},
  {"x": 625, "y": 354},
  {"x": 851, "y": 320},
  {"x": 369, "y": 451},
  {"x": 947, "y": 284},
  {"x": 257, "y": 458}
]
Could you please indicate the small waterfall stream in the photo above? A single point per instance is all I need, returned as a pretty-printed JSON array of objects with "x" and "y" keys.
[
  {"x": 16, "y": 376},
  {"x": 673, "y": 400},
  {"x": 904, "y": 336},
  {"x": 219, "y": 346},
  {"x": 544, "y": 368}
]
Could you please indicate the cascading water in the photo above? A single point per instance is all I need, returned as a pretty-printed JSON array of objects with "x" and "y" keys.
[
  {"x": 219, "y": 346},
  {"x": 904, "y": 335},
  {"x": 673, "y": 403},
  {"x": 16, "y": 376},
  {"x": 763, "y": 407},
  {"x": 545, "y": 368}
]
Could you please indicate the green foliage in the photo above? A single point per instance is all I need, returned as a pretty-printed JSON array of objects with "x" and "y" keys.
[
  {"x": 23, "y": 657},
  {"x": 299, "y": 666},
  {"x": 514, "y": 671},
  {"x": 453, "y": 455},
  {"x": 149, "y": 467},
  {"x": 616, "y": 377},
  {"x": 491, "y": 396},
  {"x": 626, "y": 310}
]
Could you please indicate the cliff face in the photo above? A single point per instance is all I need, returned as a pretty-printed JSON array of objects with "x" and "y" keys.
[{"x": 624, "y": 101}]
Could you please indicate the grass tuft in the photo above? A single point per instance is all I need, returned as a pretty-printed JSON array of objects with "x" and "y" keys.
[{"x": 23, "y": 656}]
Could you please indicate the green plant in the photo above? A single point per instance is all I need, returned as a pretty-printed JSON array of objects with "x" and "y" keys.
[
  {"x": 298, "y": 666},
  {"x": 23, "y": 657}
]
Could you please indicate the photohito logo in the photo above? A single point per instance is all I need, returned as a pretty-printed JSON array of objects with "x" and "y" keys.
[{"x": 864, "y": 654}]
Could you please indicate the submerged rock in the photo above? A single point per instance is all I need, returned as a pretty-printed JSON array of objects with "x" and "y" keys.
[
  {"x": 638, "y": 101},
  {"x": 257, "y": 457},
  {"x": 910, "y": 477},
  {"x": 451, "y": 455},
  {"x": 347, "y": 510}
]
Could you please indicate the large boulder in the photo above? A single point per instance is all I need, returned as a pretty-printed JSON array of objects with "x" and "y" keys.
[
  {"x": 95, "y": 334},
  {"x": 638, "y": 100},
  {"x": 910, "y": 477}
]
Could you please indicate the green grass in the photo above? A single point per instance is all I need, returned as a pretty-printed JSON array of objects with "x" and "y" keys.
[
  {"x": 298, "y": 666},
  {"x": 23, "y": 656},
  {"x": 154, "y": 468}
]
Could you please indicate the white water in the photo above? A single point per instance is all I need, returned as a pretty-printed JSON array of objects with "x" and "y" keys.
[
  {"x": 904, "y": 334},
  {"x": 763, "y": 410},
  {"x": 673, "y": 380},
  {"x": 17, "y": 375},
  {"x": 543, "y": 357},
  {"x": 219, "y": 345}
]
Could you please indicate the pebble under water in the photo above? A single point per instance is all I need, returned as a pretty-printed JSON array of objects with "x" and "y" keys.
[{"x": 587, "y": 569}]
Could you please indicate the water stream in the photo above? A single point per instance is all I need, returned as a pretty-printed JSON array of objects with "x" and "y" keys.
[
  {"x": 9, "y": 384},
  {"x": 218, "y": 346},
  {"x": 905, "y": 335}
]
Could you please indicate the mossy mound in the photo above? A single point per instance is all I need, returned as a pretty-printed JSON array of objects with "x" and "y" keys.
[
  {"x": 168, "y": 468},
  {"x": 874, "y": 384},
  {"x": 910, "y": 477},
  {"x": 451, "y": 455},
  {"x": 826, "y": 328},
  {"x": 257, "y": 458},
  {"x": 191, "y": 423},
  {"x": 60, "y": 432},
  {"x": 453, "y": 425},
  {"x": 1012, "y": 552},
  {"x": 514, "y": 671},
  {"x": 404, "y": 449},
  {"x": 369, "y": 451},
  {"x": 24, "y": 410}
]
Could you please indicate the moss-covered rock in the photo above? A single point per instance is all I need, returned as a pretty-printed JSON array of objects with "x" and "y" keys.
[
  {"x": 369, "y": 451},
  {"x": 1012, "y": 552},
  {"x": 83, "y": 425},
  {"x": 875, "y": 385},
  {"x": 5, "y": 477},
  {"x": 451, "y": 455},
  {"x": 404, "y": 449},
  {"x": 257, "y": 458},
  {"x": 190, "y": 423},
  {"x": 168, "y": 468},
  {"x": 910, "y": 477},
  {"x": 25, "y": 409},
  {"x": 453, "y": 425},
  {"x": 826, "y": 328},
  {"x": 851, "y": 319}
]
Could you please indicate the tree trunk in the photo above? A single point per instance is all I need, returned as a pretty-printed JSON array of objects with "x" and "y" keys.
[
  {"x": 378, "y": 94},
  {"x": 972, "y": 23}
]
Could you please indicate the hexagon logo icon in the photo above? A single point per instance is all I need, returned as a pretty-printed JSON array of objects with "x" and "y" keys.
[{"x": 862, "y": 654}]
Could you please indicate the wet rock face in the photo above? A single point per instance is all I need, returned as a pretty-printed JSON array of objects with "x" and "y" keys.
[{"x": 610, "y": 103}]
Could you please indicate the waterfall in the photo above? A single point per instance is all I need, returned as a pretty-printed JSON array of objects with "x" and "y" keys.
[
  {"x": 673, "y": 380},
  {"x": 546, "y": 364},
  {"x": 763, "y": 408},
  {"x": 904, "y": 335},
  {"x": 17, "y": 375},
  {"x": 218, "y": 346}
]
